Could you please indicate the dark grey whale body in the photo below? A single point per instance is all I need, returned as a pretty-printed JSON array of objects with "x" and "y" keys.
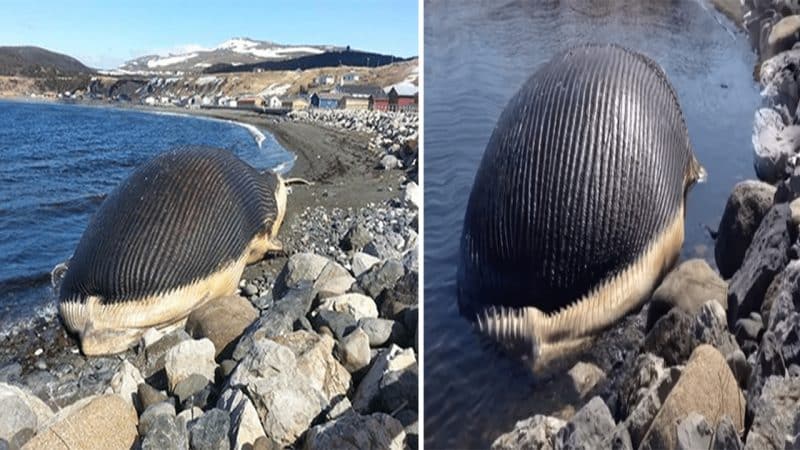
[
  {"x": 177, "y": 232},
  {"x": 576, "y": 212}
]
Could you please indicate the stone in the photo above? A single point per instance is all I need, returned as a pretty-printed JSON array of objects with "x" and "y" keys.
[
  {"x": 149, "y": 395},
  {"x": 669, "y": 339},
  {"x": 210, "y": 431},
  {"x": 706, "y": 387},
  {"x": 284, "y": 398},
  {"x": 155, "y": 354},
  {"x": 245, "y": 426},
  {"x": 694, "y": 432},
  {"x": 647, "y": 370},
  {"x": 711, "y": 327},
  {"x": 149, "y": 415},
  {"x": 341, "y": 407},
  {"x": 165, "y": 433},
  {"x": 190, "y": 357},
  {"x": 394, "y": 358},
  {"x": 357, "y": 305},
  {"x": 333, "y": 280},
  {"x": 746, "y": 207},
  {"x": 222, "y": 320},
  {"x": 21, "y": 410},
  {"x": 190, "y": 386},
  {"x": 773, "y": 145},
  {"x": 727, "y": 437},
  {"x": 740, "y": 368},
  {"x": 775, "y": 410},
  {"x": 277, "y": 320},
  {"x": 381, "y": 248},
  {"x": 749, "y": 328},
  {"x": 783, "y": 35},
  {"x": 585, "y": 376},
  {"x": 356, "y": 238},
  {"x": 187, "y": 417},
  {"x": 314, "y": 358},
  {"x": 394, "y": 302},
  {"x": 356, "y": 432},
  {"x": 382, "y": 332},
  {"x": 687, "y": 287},
  {"x": 381, "y": 276},
  {"x": 644, "y": 411},
  {"x": 125, "y": 383},
  {"x": 355, "y": 350},
  {"x": 412, "y": 195},
  {"x": 537, "y": 432},
  {"x": 301, "y": 267},
  {"x": 389, "y": 162},
  {"x": 399, "y": 389},
  {"x": 108, "y": 419},
  {"x": 362, "y": 262},
  {"x": 766, "y": 256},
  {"x": 339, "y": 323},
  {"x": 588, "y": 428}
]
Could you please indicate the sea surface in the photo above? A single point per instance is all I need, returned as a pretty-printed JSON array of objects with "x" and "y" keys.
[
  {"x": 59, "y": 161},
  {"x": 477, "y": 55}
]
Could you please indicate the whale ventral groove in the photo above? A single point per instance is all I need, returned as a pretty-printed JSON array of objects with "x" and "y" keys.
[
  {"x": 585, "y": 173},
  {"x": 178, "y": 218}
]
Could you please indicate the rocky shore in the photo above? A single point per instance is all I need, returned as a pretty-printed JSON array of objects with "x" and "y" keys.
[
  {"x": 712, "y": 361},
  {"x": 317, "y": 350}
]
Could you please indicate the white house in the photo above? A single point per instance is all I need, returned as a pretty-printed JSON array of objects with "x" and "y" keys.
[
  {"x": 349, "y": 78},
  {"x": 274, "y": 102},
  {"x": 151, "y": 101}
]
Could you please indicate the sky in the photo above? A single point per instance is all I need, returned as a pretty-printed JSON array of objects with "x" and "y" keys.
[{"x": 104, "y": 34}]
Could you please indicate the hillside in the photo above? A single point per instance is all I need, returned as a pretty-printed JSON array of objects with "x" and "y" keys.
[
  {"x": 233, "y": 52},
  {"x": 38, "y": 62},
  {"x": 352, "y": 58}
]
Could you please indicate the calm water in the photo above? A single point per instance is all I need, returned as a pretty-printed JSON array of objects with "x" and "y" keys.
[
  {"x": 477, "y": 54},
  {"x": 59, "y": 162}
]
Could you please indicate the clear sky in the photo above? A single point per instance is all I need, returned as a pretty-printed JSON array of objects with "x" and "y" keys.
[{"x": 104, "y": 34}]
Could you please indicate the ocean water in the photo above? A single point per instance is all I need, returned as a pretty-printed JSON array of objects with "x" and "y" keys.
[
  {"x": 477, "y": 55},
  {"x": 60, "y": 161}
]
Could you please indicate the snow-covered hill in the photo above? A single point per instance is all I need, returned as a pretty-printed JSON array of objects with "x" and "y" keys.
[{"x": 233, "y": 51}]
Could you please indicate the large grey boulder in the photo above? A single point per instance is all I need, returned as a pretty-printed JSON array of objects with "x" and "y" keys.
[
  {"x": 20, "y": 410},
  {"x": 393, "y": 359},
  {"x": 377, "y": 431},
  {"x": 535, "y": 433},
  {"x": 687, "y": 287},
  {"x": 775, "y": 410},
  {"x": 245, "y": 425},
  {"x": 588, "y": 428}
]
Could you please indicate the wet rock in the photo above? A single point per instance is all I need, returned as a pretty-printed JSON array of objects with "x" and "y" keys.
[
  {"x": 537, "y": 432},
  {"x": 167, "y": 433},
  {"x": 355, "y": 350},
  {"x": 333, "y": 280},
  {"x": 277, "y": 320},
  {"x": 20, "y": 410},
  {"x": 190, "y": 357},
  {"x": 210, "y": 431},
  {"x": 687, "y": 287},
  {"x": 694, "y": 432},
  {"x": 588, "y": 428},
  {"x": 314, "y": 358},
  {"x": 390, "y": 360},
  {"x": 149, "y": 395},
  {"x": 746, "y": 207},
  {"x": 356, "y": 238},
  {"x": 339, "y": 323},
  {"x": 109, "y": 419},
  {"x": 585, "y": 376},
  {"x": 377, "y": 432},
  {"x": 301, "y": 267},
  {"x": 766, "y": 256},
  {"x": 706, "y": 387},
  {"x": 126, "y": 384},
  {"x": 775, "y": 410},
  {"x": 381, "y": 276},
  {"x": 357, "y": 305},
  {"x": 382, "y": 332},
  {"x": 245, "y": 426},
  {"x": 222, "y": 320},
  {"x": 283, "y": 396},
  {"x": 362, "y": 262}
]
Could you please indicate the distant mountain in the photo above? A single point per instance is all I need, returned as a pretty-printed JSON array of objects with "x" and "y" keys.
[
  {"x": 233, "y": 52},
  {"x": 38, "y": 62},
  {"x": 343, "y": 57}
]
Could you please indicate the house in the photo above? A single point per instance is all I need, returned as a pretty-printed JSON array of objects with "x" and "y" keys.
[
  {"x": 357, "y": 96},
  {"x": 349, "y": 78},
  {"x": 403, "y": 97},
  {"x": 150, "y": 101},
  {"x": 379, "y": 101},
  {"x": 250, "y": 102},
  {"x": 274, "y": 102},
  {"x": 324, "y": 80},
  {"x": 325, "y": 100},
  {"x": 295, "y": 103}
]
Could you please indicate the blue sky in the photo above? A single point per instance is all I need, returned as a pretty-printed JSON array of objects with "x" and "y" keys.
[{"x": 104, "y": 34}]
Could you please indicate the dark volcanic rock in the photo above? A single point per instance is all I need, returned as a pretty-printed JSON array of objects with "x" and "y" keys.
[
  {"x": 766, "y": 256},
  {"x": 339, "y": 323},
  {"x": 727, "y": 437},
  {"x": 775, "y": 410},
  {"x": 165, "y": 433}
]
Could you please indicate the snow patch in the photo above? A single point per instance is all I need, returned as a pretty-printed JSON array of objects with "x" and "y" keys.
[
  {"x": 275, "y": 89},
  {"x": 170, "y": 60}
]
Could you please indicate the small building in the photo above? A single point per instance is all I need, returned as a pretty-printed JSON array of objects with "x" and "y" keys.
[
  {"x": 324, "y": 80},
  {"x": 325, "y": 100},
  {"x": 349, "y": 78},
  {"x": 403, "y": 97},
  {"x": 358, "y": 96},
  {"x": 295, "y": 103},
  {"x": 274, "y": 102},
  {"x": 250, "y": 102},
  {"x": 379, "y": 101},
  {"x": 352, "y": 103}
]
